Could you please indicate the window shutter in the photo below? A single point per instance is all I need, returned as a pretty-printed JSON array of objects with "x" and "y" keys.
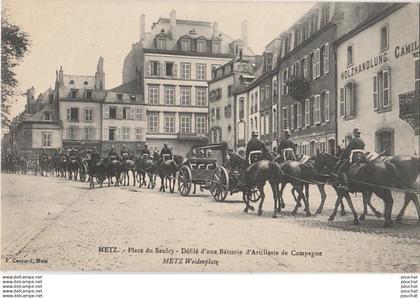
[
  {"x": 299, "y": 115},
  {"x": 375, "y": 93},
  {"x": 386, "y": 98},
  {"x": 119, "y": 113},
  {"x": 68, "y": 114},
  {"x": 327, "y": 58},
  {"x": 322, "y": 107},
  {"x": 327, "y": 106},
  {"x": 106, "y": 112},
  {"x": 118, "y": 136},
  {"x": 354, "y": 101},
  {"x": 318, "y": 63},
  {"x": 342, "y": 103},
  {"x": 163, "y": 68},
  {"x": 147, "y": 68},
  {"x": 158, "y": 68},
  {"x": 307, "y": 115},
  {"x": 175, "y": 70},
  {"x": 292, "y": 117},
  {"x": 313, "y": 62}
]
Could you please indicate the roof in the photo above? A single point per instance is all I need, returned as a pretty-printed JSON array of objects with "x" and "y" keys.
[
  {"x": 132, "y": 87},
  {"x": 185, "y": 22},
  {"x": 39, "y": 116}
]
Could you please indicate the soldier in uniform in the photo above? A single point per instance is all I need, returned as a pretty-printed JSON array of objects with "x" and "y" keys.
[
  {"x": 355, "y": 144},
  {"x": 44, "y": 155},
  {"x": 145, "y": 150},
  {"x": 73, "y": 152},
  {"x": 112, "y": 155},
  {"x": 124, "y": 151},
  {"x": 95, "y": 157},
  {"x": 254, "y": 144},
  {"x": 287, "y": 143},
  {"x": 165, "y": 150}
]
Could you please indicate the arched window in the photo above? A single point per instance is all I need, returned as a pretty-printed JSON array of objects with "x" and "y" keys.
[{"x": 241, "y": 108}]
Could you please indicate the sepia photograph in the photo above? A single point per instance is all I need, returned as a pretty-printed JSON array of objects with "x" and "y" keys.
[{"x": 205, "y": 136}]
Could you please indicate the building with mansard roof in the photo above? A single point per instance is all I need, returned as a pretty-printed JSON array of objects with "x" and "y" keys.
[{"x": 173, "y": 63}]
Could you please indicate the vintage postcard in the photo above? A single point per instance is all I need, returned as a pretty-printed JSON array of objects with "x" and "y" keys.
[{"x": 142, "y": 136}]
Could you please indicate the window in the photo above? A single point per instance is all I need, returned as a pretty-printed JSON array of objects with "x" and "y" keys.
[
  {"x": 350, "y": 55},
  {"x": 71, "y": 81},
  {"x": 251, "y": 103},
  {"x": 304, "y": 64},
  {"x": 307, "y": 112},
  {"x": 112, "y": 113},
  {"x": 169, "y": 95},
  {"x": 140, "y": 113},
  {"x": 342, "y": 102},
  {"x": 241, "y": 108},
  {"x": 385, "y": 141},
  {"x": 317, "y": 110},
  {"x": 201, "y": 124},
  {"x": 349, "y": 100},
  {"x": 47, "y": 116},
  {"x": 112, "y": 133},
  {"x": 326, "y": 101},
  {"x": 256, "y": 123},
  {"x": 326, "y": 58},
  {"x": 298, "y": 115},
  {"x": 217, "y": 114},
  {"x": 126, "y": 113},
  {"x": 201, "y": 72},
  {"x": 285, "y": 118},
  {"x": 170, "y": 123},
  {"x": 185, "y": 45},
  {"x": 201, "y": 97},
  {"x": 216, "y": 47},
  {"x": 201, "y": 46},
  {"x": 73, "y": 114},
  {"x": 212, "y": 115},
  {"x": 381, "y": 95},
  {"x": 322, "y": 146},
  {"x": 312, "y": 148},
  {"x": 139, "y": 133},
  {"x": 185, "y": 96},
  {"x": 256, "y": 102},
  {"x": 228, "y": 111},
  {"x": 267, "y": 92},
  {"x": 285, "y": 78},
  {"x": 73, "y": 93},
  {"x": 153, "y": 123},
  {"x": 119, "y": 96},
  {"x": 153, "y": 95},
  {"x": 267, "y": 123},
  {"x": 125, "y": 133},
  {"x": 318, "y": 63},
  {"x": 154, "y": 68},
  {"x": 161, "y": 44},
  {"x": 169, "y": 69},
  {"x": 73, "y": 133},
  {"x": 46, "y": 139},
  {"x": 89, "y": 133},
  {"x": 384, "y": 38},
  {"x": 185, "y": 71},
  {"x": 89, "y": 94},
  {"x": 185, "y": 122},
  {"x": 311, "y": 110},
  {"x": 292, "y": 116},
  {"x": 274, "y": 88},
  {"x": 88, "y": 115}
]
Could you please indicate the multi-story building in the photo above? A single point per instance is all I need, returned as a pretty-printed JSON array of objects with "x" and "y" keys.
[
  {"x": 124, "y": 118},
  {"x": 38, "y": 127},
  {"x": 224, "y": 110},
  {"x": 375, "y": 69},
  {"x": 80, "y": 108},
  {"x": 173, "y": 63},
  {"x": 308, "y": 73}
]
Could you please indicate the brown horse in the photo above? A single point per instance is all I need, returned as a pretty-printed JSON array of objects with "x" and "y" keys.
[{"x": 128, "y": 164}]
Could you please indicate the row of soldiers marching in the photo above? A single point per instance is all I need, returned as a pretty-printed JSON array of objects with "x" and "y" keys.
[{"x": 287, "y": 151}]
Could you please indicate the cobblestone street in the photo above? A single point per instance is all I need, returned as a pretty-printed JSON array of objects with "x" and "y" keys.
[{"x": 50, "y": 223}]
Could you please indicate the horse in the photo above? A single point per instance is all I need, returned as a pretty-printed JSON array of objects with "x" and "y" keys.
[
  {"x": 96, "y": 170},
  {"x": 44, "y": 162},
  {"x": 56, "y": 165},
  {"x": 22, "y": 165},
  {"x": 73, "y": 166},
  {"x": 143, "y": 166},
  {"x": 63, "y": 166},
  {"x": 365, "y": 177},
  {"x": 256, "y": 175},
  {"x": 113, "y": 169},
  {"x": 167, "y": 172},
  {"x": 128, "y": 164}
]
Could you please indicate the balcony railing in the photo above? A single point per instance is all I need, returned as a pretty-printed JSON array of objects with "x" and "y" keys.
[{"x": 409, "y": 108}]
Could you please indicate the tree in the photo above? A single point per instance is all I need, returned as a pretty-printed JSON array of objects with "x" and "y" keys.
[{"x": 14, "y": 45}]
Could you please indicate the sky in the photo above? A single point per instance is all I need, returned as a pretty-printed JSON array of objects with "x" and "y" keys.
[{"x": 73, "y": 34}]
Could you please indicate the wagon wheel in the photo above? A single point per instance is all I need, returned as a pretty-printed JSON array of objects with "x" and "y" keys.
[
  {"x": 184, "y": 181},
  {"x": 82, "y": 173},
  {"x": 219, "y": 184},
  {"x": 255, "y": 195}
]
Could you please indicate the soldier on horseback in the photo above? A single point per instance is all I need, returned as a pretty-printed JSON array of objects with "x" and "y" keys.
[
  {"x": 124, "y": 153},
  {"x": 287, "y": 148},
  {"x": 145, "y": 152},
  {"x": 44, "y": 155},
  {"x": 94, "y": 156},
  {"x": 112, "y": 155},
  {"x": 352, "y": 153},
  {"x": 166, "y": 153},
  {"x": 255, "y": 148},
  {"x": 73, "y": 152}
]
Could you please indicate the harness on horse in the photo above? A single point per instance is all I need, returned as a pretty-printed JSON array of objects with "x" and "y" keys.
[
  {"x": 166, "y": 157},
  {"x": 124, "y": 156},
  {"x": 145, "y": 156},
  {"x": 289, "y": 154}
]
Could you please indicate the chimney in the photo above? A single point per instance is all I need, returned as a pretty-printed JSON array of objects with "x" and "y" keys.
[
  {"x": 244, "y": 31},
  {"x": 61, "y": 76},
  {"x": 215, "y": 30},
  {"x": 30, "y": 96},
  {"x": 240, "y": 54},
  {"x": 100, "y": 75},
  {"x": 142, "y": 27},
  {"x": 172, "y": 23}
]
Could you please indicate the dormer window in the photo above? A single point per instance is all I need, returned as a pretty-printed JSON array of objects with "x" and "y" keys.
[
  {"x": 85, "y": 83},
  {"x": 186, "y": 45},
  {"x": 161, "y": 44},
  {"x": 237, "y": 49},
  {"x": 216, "y": 47},
  {"x": 71, "y": 82},
  {"x": 132, "y": 97},
  {"x": 47, "y": 116},
  {"x": 89, "y": 94},
  {"x": 119, "y": 96},
  {"x": 201, "y": 46},
  {"x": 74, "y": 93}
]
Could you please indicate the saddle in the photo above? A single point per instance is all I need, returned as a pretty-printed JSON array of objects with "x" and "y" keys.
[{"x": 255, "y": 156}]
